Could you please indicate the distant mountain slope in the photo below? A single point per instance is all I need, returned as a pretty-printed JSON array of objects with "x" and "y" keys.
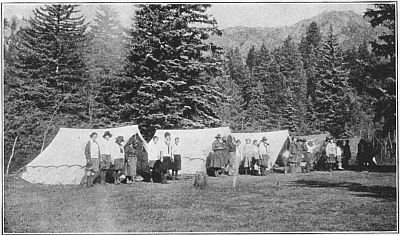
[{"x": 352, "y": 29}]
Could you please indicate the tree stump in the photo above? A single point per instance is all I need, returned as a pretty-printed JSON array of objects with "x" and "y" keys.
[{"x": 200, "y": 180}]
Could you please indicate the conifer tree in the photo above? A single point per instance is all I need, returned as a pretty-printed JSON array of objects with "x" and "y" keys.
[
  {"x": 310, "y": 50},
  {"x": 51, "y": 73},
  {"x": 294, "y": 96},
  {"x": 251, "y": 60},
  {"x": 105, "y": 59},
  {"x": 384, "y": 70},
  {"x": 333, "y": 94},
  {"x": 169, "y": 67}
]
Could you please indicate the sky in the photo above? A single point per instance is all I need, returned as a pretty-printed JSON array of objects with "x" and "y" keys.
[{"x": 226, "y": 14}]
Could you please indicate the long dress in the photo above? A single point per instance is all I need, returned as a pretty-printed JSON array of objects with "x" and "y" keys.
[
  {"x": 217, "y": 159},
  {"x": 247, "y": 155},
  {"x": 130, "y": 161}
]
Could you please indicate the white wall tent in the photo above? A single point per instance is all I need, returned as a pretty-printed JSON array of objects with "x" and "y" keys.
[
  {"x": 196, "y": 146},
  {"x": 63, "y": 161},
  {"x": 278, "y": 141}
]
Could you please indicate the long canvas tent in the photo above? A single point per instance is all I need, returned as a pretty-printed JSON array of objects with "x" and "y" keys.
[
  {"x": 196, "y": 145},
  {"x": 63, "y": 161},
  {"x": 278, "y": 141}
]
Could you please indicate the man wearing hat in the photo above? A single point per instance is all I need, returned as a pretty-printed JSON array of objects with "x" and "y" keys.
[
  {"x": 264, "y": 152},
  {"x": 119, "y": 158},
  {"x": 106, "y": 147}
]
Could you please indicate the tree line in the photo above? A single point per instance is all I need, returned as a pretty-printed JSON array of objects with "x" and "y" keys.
[{"x": 61, "y": 71}]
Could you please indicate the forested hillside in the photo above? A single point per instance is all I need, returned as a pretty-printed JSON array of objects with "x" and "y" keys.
[
  {"x": 352, "y": 30},
  {"x": 327, "y": 74}
]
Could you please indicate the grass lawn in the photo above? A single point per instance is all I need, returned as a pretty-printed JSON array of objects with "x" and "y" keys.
[{"x": 318, "y": 201}]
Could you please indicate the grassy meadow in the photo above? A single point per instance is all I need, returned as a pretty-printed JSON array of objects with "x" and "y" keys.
[{"x": 317, "y": 201}]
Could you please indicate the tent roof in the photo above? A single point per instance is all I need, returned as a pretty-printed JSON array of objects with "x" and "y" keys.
[
  {"x": 63, "y": 161},
  {"x": 276, "y": 139},
  {"x": 196, "y": 145}
]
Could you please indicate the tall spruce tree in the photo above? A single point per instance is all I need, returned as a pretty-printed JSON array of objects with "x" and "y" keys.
[
  {"x": 294, "y": 96},
  {"x": 333, "y": 94},
  {"x": 105, "y": 59},
  {"x": 384, "y": 70},
  {"x": 310, "y": 50},
  {"x": 51, "y": 71},
  {"x": 167, "y": 83}
]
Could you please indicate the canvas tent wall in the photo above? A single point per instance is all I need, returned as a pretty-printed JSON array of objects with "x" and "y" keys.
[
  {"x": 278, "y": 141},
  {"x": 196, "y": 146},
  {"x": 63, "y": 161}
]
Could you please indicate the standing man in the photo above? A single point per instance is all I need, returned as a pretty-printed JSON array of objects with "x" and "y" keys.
[
  {"x": 92, "y": 153},
  {"x": 106, "y": 146},
  {"x": 177, "y": 152},
  {"x": 264, "y": 155}
]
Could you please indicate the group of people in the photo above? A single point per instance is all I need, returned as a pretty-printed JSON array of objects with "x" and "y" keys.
[
  {"x": 107, "y": 156},
  {"x": 229, "y": 154},
  {"x": 165, "y": 158},
  {"x": 336, "y": 154}
]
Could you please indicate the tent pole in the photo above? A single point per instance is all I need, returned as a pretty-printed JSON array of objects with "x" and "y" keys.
[{"x": 12, "y": 154}]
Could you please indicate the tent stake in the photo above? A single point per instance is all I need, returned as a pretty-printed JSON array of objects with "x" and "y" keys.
[{"x": 12, "y": 154}]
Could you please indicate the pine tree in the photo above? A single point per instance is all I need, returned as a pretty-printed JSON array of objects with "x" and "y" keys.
[
  {"x": 105, "y": 59},
  {"x": 169, "y": 67},
  {"x": 51, "y": 74},
  {"x": 333, "y": 94}
]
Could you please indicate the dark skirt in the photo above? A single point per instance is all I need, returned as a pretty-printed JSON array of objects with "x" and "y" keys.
[
  {"x": 216, "y": 159},
  {"x": 95, "y": 166},
  {"x": 119, "y": 164},
  {"x": 264, "y": 160},
  {"x": 105, "y": 162},
  {"x": 176, "y": 165},
  {"x": 225, "y": 158},
  {"x": 130, "y": 166},
  {"x": 167, "y": 164}
]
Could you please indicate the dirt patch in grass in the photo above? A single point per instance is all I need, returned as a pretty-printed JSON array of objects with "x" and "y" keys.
[{"x": 319, "y": 201}]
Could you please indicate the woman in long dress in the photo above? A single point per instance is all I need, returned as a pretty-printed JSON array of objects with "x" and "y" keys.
[
  {"x": 92, "y": 153},
  {"x": 247, "y": 155},
  {"x": 119, "y": 159}
]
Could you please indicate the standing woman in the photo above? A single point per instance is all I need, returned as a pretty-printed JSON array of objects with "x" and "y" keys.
[
  {"x": 176, "y": 164},
  {"x": 239, "y": 155},
  {"x": 247, "y": 155},
  {"x": 331, "y": 154},
  {"x": 264, "y": 154},
  {"x": 254, "y": 156},
  {"x": 119, "y": 159},
  {"x": 225, "y": 151},
  {"x": 217, "y": 159},
  {"x": 130, "y": 159},
  {"x": 339, "y": 153},
  {"x": 92, "y": 153},
  {"x": 346, "y": 155},
  {"x": 106, "y": 146}
]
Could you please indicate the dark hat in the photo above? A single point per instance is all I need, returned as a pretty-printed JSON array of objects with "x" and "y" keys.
[
  {"x": 107, "y": 133},
  {"x": 93, "y": 133},
  {"x": 218, "y": 136},
  {"x": 119, "y": 139},
  {"x": 264, "y": 138}
]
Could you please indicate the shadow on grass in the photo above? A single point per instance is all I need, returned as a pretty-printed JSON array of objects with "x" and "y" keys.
[{"x": 387, "y": 193}]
